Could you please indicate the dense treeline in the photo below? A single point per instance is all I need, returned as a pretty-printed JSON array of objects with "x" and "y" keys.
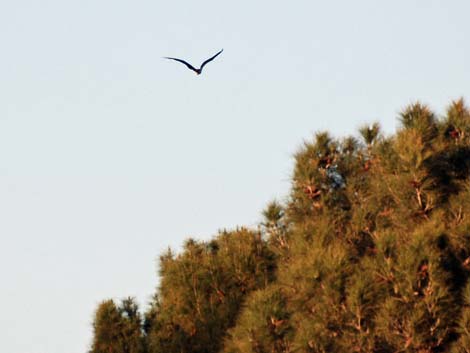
[{"x": 370, "y": 253}]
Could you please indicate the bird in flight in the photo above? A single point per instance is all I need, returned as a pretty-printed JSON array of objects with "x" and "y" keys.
[{"x": 191, "y": 67}]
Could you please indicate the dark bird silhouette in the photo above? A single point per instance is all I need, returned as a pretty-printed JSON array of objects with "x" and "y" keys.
[{"x": 191, "y": 67}]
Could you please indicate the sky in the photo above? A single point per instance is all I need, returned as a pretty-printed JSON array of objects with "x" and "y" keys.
[{"x": 110, "y": 154}]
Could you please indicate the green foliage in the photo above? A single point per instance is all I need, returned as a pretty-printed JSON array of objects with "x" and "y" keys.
[
  {"x": 457, "y": 123},
  {"x": 202, "y": 289},
  {"x": 369, "y": 253},
  {"x": 419, "y": 312},
  {"x": 370, "y": 133},
  {"x": 462, "y": 345},
  {"x": 418, "y": 117},
  {"x": 117, "y": 329},
  {"x": 263, "y": 326},
  {"x": 275, "y": 228}
]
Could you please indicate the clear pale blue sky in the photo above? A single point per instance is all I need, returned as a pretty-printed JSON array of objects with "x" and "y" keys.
[{"x": 109, "y": 154}]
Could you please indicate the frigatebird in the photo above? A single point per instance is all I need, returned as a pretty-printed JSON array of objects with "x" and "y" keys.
[{"x": 191, "y": 67}]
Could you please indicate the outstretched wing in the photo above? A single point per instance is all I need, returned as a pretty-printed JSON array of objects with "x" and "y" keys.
[
  {"x": 210, "y": 59},
  {"x": 183, "y": 62}
]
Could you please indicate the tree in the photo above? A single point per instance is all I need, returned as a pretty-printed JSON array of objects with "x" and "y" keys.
[
  {"x": 263, "y": 326},
  {"x": 369, "y": 253},
  {"x": 117, "y": 329},
  {"x": 202, "y": 290}
]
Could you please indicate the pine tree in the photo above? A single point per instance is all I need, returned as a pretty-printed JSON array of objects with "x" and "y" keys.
[
  {"x": 275, "y": 228},
  {"x": 117, "y": 329},
  {"x": 203, "y": 287},
  {"x": 263, "y": 326},
  {"x": 369, "y": 253}
]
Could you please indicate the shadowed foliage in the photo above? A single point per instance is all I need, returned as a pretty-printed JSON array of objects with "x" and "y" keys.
[{"x": 117, "y": 329}]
